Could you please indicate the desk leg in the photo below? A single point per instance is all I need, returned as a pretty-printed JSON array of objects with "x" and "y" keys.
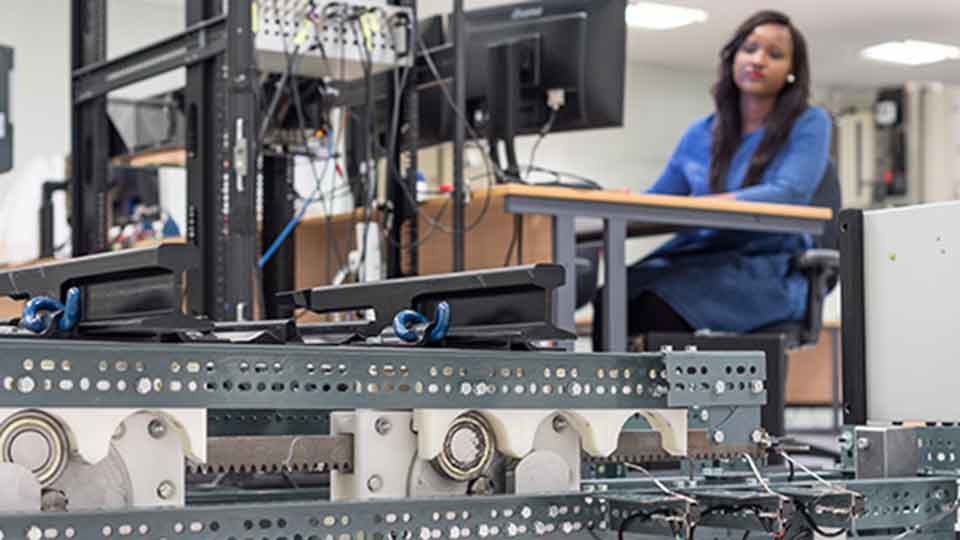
[
  {"x": 564, "y": 254},
  {"x": 615, "y": 286}
]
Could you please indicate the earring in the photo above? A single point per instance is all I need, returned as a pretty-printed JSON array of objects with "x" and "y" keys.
[{"x": 791, "y": 78}]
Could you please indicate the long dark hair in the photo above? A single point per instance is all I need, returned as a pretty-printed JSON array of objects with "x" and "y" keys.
[{"x": 791, "y": 102}]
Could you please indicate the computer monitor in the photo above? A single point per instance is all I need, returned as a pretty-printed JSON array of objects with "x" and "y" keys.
[
  {"x": 520, "y": 52},
  {"x": 6, "y": 124}
]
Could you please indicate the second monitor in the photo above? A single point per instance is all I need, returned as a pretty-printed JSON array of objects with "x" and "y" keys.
[{"x": 534, "y": 66}]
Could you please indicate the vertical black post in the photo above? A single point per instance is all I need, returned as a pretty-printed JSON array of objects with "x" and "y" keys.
[
  {"x": 237, "y": 227},
  {"x": 204, "y": 107},
  {"x": 404, "y": 156},
  {"x": 277, "y": 212},
  {"x": 90, "y": 133},
  {"x": 459, "y": 137},
  {"x": 852, "y": 305},
  {"x": 222, "y": 167}
]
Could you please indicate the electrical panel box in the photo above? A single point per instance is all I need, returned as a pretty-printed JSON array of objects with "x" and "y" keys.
[
  {"x": 342, "y": 40},
  {"x": 6, "y": 122}
]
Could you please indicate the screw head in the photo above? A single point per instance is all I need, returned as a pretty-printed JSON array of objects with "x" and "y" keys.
[
  {"x": 382, "y": 425},
  {"x": 719, "y": 387},
  {"x": 863, "y": 443},
  {"x": 559, "y": 424},
  {"x": 756, "y": 387},
  {"x": 756, "y": 436},
  {"x": 157, "y": 428},
  {"x": 375, "y": 483},
  {"x": 166, "y": 490},
  {"x": 704, "y": 415},
  {"x": 845, "y": 440},
  {"x": 719, "y": 437}
]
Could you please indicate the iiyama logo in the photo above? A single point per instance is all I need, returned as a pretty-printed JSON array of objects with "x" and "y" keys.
[{"x": 526, "y": 13}]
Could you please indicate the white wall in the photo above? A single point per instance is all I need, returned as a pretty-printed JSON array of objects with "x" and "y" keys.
[{"x": 39, "y": 32}]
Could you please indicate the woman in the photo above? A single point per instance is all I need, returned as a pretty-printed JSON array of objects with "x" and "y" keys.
[{"x": 764, "y": 143}]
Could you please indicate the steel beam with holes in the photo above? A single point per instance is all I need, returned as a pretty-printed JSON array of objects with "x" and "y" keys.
[
  {"x": 552, "y": 516},
  {"x": 54, "y": 373}
]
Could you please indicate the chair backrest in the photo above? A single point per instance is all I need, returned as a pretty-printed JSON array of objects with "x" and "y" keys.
[{"x": 828, "y": 195}]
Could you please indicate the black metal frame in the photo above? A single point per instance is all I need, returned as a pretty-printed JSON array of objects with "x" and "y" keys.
[
  {"x": 217, "y": 51},
  {"x": 853, "y": 316}
]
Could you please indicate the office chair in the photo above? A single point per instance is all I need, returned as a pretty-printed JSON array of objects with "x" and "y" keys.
[{"x": 820, "y": 264}]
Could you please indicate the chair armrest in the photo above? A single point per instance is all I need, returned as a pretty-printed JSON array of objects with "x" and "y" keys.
[
  {"x": 817, "y": 258},
  {"x": 821, "y": 267}
]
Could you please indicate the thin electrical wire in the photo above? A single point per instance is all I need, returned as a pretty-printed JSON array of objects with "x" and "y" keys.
[
  {"x": 543, "y": 135},
  {"x": 761, "y": 479},
  {"x": 475, "y": 139},
  {"x": 816, "y": 476},
  {"x": 663, "y": 487},
  {"x": 317, "y": 191}
]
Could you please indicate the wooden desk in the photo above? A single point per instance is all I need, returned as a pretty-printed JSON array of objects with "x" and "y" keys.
[{"x": 617, "y": 210}]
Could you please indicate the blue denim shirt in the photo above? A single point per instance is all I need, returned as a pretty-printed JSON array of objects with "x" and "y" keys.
[{"x": 737, "y": 281}]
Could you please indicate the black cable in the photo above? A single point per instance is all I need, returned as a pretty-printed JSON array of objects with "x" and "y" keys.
[
  {"x": 755, "y": 509},
  {"x": 746, "y": 534},
  {"x": 645, "y": 517},
  {"x": 301, "y": 123},
  {"x": 559, "y": 175},
  {"x": 366, "y": 64},
  {"x": 813, "y": 526},
  {"x": 543, "y": 135},
  {"x": 513, "y": 242},
  {"x": 475, "y": 139}
]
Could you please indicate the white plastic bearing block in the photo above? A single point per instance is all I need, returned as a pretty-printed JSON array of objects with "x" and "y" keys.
[
  {"x": 91, "y": 429},
  {"x": 516, "y": 429}
]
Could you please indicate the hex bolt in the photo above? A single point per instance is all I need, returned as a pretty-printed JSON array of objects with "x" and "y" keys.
[
  {"x": 863, "y": 443},
  {"x": 157, "y": 428},
  {"x": 375, "y": 483},
  {"x": 559, "y": 423},
  {"x": 166, "y": 490},
  {"x": 382, "y": 425}
]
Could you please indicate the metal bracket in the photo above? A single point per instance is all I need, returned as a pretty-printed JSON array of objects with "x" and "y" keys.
[{"x": 513, "y": 304}]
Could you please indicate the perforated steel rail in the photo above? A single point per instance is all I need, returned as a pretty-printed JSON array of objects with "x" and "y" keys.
[{"x": 49, "y": 373}]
